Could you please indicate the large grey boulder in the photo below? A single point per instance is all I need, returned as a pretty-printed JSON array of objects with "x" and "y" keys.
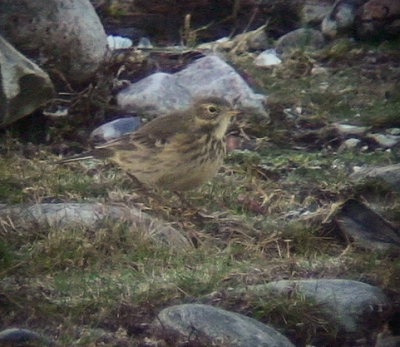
[
  {"x": 23, "y": 85},
  {"x": 352, "y": 304},
  {"x": 217, "y": 327},
  {"x": 162, "y": 93},
  {"x": 303, "y": 39},
  {"x": 389, "y": 175},
  {"x": 29, "y": 217},
  {"x": 367, "y": 228},
  {"x": 67, "y": 34}
]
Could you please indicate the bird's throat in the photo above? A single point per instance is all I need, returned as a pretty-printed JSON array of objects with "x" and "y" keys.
[{"x": 220, "y": 129}]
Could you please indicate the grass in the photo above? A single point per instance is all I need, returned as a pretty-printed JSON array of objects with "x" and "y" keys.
[
  {"x": 263, "y": 222},
  {"x": 299, "y": 316}
]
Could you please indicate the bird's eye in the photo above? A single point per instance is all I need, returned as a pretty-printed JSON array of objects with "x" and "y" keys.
[{"x": 212, "y": 109}]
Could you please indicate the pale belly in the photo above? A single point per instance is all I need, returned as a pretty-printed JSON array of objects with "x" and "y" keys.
[
  {"x": 189, "y": 177},
  {"x": 172, "y": 170}
]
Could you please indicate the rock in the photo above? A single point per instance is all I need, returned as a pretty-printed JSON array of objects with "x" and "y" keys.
[
  {"x": 340, "y": 18},
  {"x": 23, "y": 337},
  {"x": 389, "y": 174},
  {"x": 69, "y": 35},
  {"x": 114, "y": 129},
  {"x": 393, "y": 131},
  {"x": 130, "y": 32},
  {"x": 367, "y": 228},
  {"x": 23, "y": 85},
  {"x": 267, "y": 58},
  {"x": 29, "y": 217},
  {"x": 349, "y": 144},
  {"x": 353, "y": 305},
  {"x": 162, "y": 93},
  {"x": 299, "y": 39},
  {"x": 118, "y": 42},
  {"x": 155, "y": 95},
  {"x": 321, "y": 71},
  {"x": 144, "y": 42},
  {"x": 216, "y": 327},
  {"x": 348, "y": 129},
  {"x": 314, "y": 11},
  {"x": 384, "y": 140},
  {"x": 378, "y": 18}
]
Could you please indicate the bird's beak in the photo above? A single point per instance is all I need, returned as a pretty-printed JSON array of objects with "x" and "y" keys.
[{"x": 234, "y": 112}]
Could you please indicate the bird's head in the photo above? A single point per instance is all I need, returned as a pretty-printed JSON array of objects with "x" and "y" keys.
[{"x": 213, "y": 114}]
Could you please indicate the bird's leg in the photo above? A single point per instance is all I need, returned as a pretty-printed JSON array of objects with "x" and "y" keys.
[
  {"x": 143, "y": 188},
  {"x": 156, "y": 201},
  {"x": 188, "y": 208},
  {"x": 140, "y": 185}
]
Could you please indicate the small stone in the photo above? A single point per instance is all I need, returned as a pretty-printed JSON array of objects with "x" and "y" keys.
[
  {"x": 267, "y": 58},
  {"x": 348, "y": 129},
  {"x": 114, "y": 129},
  {"x": 385, "y": 140},
  {"x": 393, "y": 131},
  {"x": 144, "y": 42},
  {"x": 351, "y": 143},
  {"x": 118, "y": 42},
  {"x": 299, "y": 39},
  {"x": 319, "y": 70},
  {"x": 223, "y": 39},
  {"x": 339, "y": 19}
]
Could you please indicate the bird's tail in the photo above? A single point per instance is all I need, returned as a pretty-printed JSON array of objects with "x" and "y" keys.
[{"x": 78, "y": 157}]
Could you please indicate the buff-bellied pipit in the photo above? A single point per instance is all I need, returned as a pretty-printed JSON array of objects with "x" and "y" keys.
[{"x": 178, "y": 152}]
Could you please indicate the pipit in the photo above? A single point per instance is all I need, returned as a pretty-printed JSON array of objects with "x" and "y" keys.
[{"x": 179, "y": 151}]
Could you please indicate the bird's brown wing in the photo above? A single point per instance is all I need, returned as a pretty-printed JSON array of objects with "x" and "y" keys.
[{"x": 149, "y": 137}]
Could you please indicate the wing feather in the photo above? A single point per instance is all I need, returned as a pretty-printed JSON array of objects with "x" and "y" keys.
[{"x": 150, "y": 137}]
